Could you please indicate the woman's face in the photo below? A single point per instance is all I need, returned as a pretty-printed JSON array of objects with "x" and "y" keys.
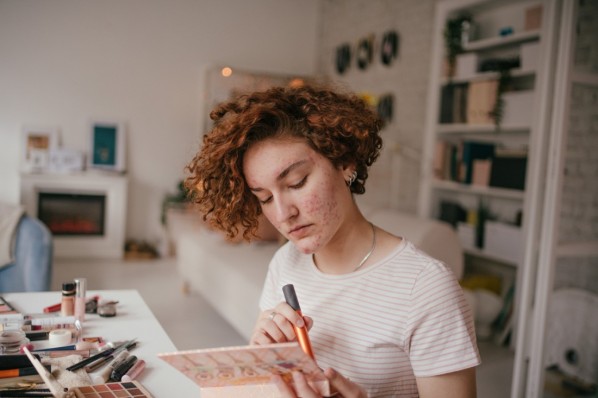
[{"x": 301, "y": 193}]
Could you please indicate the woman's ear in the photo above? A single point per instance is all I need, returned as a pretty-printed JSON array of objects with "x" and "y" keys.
[{"x": 348, "y": 170}]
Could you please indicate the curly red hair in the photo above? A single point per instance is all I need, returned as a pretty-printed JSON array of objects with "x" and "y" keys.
[{"x": 338, "y": 126}]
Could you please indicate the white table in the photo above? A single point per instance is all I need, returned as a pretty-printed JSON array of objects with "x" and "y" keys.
[{"x": 134, "y": 319}]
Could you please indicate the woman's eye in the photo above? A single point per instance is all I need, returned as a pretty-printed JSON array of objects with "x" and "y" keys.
[
  {"x": 266, "y": 201},
  {"x": 300, "y": 183}
]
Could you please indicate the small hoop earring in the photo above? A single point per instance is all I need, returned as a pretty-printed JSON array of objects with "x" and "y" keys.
[{"x": 352, "y": 178}]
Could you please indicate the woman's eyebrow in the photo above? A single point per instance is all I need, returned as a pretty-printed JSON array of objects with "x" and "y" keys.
[
  {"x": 286, "y": 171},
  {"x": 283, "y": 173}
]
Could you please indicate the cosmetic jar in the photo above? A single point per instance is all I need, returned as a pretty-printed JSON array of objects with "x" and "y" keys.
[
  {"x": 107, "y": 310},
  {"x": 11, "y": 341}
]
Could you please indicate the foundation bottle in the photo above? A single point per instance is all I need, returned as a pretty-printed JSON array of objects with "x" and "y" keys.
[{"x": 67, "y": 305}]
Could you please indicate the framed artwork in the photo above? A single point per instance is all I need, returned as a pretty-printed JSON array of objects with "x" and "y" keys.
[
  {"x": 107, "y": 146},
  {"x": 38, "y": 142}
]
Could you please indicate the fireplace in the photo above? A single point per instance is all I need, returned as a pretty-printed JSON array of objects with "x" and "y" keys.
[
  {"x": 86, "y": 212},
  {"x": 72, "y": 214}
]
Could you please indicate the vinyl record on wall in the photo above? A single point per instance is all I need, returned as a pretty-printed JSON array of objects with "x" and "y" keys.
[
  {"x": 389, "y": 50},
  {"x": 365, "y": 52},
  {"x": 385, "y": 108},
  {"x": 343, "y": 58}
]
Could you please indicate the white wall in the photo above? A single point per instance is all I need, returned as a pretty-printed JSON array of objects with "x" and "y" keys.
[{"x": 63, "y": 62}]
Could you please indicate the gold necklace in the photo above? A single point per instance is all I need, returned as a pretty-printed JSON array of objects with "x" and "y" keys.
[{"x": 371, "y": 250}]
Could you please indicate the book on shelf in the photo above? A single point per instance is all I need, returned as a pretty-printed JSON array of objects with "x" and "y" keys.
[
  {"x": 509, "y": 169},
  {"x": 480, "y": 174},
  {"x": 474, "y": 151},
  {"x": 481, "y": 98},
  {"x": 453, "y": 103},
  {"x": 454, "y": 161}
]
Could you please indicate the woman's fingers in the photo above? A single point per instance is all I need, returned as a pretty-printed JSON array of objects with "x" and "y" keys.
[
  {"x": 302, "y": 389},
  {"x": 285, "y": 317},
  {"x": 276, "y": 325},
  {"x": 285, "y": 390},
  {"x": 345, "y": 387}
]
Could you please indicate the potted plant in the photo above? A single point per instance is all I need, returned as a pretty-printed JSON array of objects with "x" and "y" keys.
[{"x": 456, "y": 32}]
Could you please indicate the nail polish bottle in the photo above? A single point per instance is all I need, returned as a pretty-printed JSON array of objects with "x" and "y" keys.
[{"x": 67, "y": 305}]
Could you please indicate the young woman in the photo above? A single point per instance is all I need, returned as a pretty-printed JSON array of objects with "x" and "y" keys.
[{"x": 385, "y": 319}]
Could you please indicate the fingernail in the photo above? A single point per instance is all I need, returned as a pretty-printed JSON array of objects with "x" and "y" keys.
[{"x": 300, "y": 323}]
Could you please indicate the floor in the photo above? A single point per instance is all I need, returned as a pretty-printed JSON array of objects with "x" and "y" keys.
[{"x": 192, "y": 323}]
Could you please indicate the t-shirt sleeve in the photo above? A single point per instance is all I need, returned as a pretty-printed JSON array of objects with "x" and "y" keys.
[{"x": 440, "y": 334}]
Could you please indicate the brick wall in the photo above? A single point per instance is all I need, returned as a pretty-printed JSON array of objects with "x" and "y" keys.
[
  {"x": 394, "y": 178},
  {"x": 579, "y": 202}
]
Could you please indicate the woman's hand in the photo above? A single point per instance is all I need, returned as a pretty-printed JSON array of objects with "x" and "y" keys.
[
  {"x": 341, "y": 385},
  {"x": 276, "y": 325}
]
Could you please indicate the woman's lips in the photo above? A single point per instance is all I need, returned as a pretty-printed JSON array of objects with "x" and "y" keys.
[{"x": 299, "y": 232}]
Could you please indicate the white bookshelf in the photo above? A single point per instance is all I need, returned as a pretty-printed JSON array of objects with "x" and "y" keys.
[{"x": 503, "y": 203}]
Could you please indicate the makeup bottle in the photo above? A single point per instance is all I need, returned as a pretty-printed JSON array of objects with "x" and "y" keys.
[
  {"x": 80, "y": 292},
  {"x": 67, "y": 305}
]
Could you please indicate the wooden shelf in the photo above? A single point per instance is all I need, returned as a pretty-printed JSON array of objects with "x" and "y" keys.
[
  {"x": 590, "y": 79},
  {"x": 500, "y": 41},
  {"x": 463, "y": 128},
  {"x": 515, "y": 73},
  {"x": 577, "y": 249},
  {"x": 481, "y": 253},
  {"x": 479, "y": 190}
]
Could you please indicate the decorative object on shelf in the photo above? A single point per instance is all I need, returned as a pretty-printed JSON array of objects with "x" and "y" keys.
[
  {"x": 487, "y": 307},
  {"x": 136, "y": 250},
  {"x": 505, "y": 31},
  {"x": 571, "y": 330},
  {"x": 365, "y": 52},
  {"x": 533, "y": 17},
  {"x": 482, "y": 217},
  {"x": 37, "y": 144},
  {"x": 389, "y": 50},
  {"x": 179, "y": 199},
  {"x": 343, "y": 58},
  {"x": 504, "y": 82},
  {"x": 63, "y": 160},
  {"x": 107, "y": 141},
  {"x": 453, "y": 38}
]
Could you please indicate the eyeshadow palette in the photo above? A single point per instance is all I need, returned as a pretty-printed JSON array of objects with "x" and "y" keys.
[
  {"x": 112, "y": 390},
  {"x": 246, "y": 370}
]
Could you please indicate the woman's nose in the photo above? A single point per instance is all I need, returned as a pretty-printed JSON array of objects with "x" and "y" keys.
[{"x": 285, "y": 210}]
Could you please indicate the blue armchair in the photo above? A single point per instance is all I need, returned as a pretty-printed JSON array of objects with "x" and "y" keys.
[{"x": 32, "y": 267}]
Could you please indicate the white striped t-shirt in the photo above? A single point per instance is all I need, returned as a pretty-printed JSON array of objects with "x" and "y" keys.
[{"x": 381, "y": 326}]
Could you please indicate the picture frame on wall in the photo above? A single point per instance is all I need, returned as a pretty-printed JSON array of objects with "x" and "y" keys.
[
  {"x": 37, "y": 143},
  {"x": 107, "y": 146}
]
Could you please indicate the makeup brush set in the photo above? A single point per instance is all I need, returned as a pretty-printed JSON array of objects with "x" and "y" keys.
[{"x": 108, "y": 373}]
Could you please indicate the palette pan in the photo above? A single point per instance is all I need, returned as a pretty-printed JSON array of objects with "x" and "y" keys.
[{"x": 112, "y": 390}]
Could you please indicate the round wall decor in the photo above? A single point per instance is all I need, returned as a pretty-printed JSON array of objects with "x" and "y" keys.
[
  {"x": 343, "y": 58},
  {"x": 364, "y": 53},
  {"x": 390, "y": 47}
]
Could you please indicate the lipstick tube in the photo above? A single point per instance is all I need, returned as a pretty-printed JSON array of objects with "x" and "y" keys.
[
  {"x": 134, "y": 371},
  {"x": 302, "y": 336}
]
